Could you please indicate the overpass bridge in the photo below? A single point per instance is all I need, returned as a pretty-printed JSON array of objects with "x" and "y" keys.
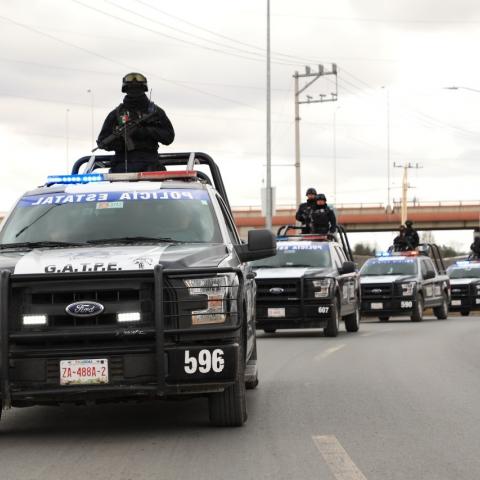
[
  {"x": 372, "y": 217},
  {"x": 375, "y": 217}
]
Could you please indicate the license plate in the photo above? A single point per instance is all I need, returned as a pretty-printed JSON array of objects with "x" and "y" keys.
[
  {"x": 276, "y": 312},
  {"x": 455, "y": 303},
  {"x": 376, "y": 306},
  {"x": 84, "y": 371}
]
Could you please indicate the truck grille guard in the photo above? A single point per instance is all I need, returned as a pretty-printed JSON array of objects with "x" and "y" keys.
[{"x": 157, "y": 328}]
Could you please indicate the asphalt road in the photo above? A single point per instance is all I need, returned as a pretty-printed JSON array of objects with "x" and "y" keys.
[{"x": 397, "y": 400}]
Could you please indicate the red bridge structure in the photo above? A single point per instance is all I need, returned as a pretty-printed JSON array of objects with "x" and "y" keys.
[{"x": 459, "y": 215}]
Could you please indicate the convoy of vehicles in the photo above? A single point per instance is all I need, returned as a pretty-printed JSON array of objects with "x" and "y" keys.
[
  {"x": 405, "y": 284},
  {"x": 465, "y": 282},
  {"x": 129, "y": 286},
  {"x": 311, "y": 283}
]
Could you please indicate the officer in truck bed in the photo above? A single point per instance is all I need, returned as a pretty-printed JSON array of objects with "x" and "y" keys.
[
  {"x": 145, "y": 138},
  {"x": 323, "y": 218}
]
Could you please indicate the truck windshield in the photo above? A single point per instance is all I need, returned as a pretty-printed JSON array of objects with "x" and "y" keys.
[
  {"x": 180, "y": 215},
  {"x": 382, "y": 266},
  {"x": 464, "y": 272},
  {"x": 299, "y": 254}
]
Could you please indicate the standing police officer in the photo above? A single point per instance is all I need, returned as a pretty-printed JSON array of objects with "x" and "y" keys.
[
  {"x": 323, "y": 218},
  {"x": 475, "y": 248},
  {"x": 411, "y": 235},
  {"x": 401, "y": 243},
  {"x": 305, "y": 209},
  {"x": 144, "y": 139}
]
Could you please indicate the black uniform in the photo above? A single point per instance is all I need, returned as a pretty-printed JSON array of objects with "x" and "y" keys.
[
  {"x": 401, "y": 243},
  {"x": 412, "y": 236},
  {"x": 304, "y": 214},
  {"x": 323, "y": 220},
  {"x": 475, "y": 248},
  {"x": 145, "y": 138}
]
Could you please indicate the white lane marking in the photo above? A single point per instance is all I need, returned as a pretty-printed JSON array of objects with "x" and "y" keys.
[
  {"x": 337, "y": 459},
  {"x": 328, "y": 352}
]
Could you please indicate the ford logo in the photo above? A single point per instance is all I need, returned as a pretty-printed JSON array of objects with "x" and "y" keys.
[
  {"x": 277, "y": 290},
  {"x": 84, "y": 309}
]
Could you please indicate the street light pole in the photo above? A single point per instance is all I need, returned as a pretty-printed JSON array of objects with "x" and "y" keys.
[{"x": 268, "y": 202}]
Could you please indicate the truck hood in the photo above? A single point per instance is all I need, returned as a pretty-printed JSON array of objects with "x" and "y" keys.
[
  {"x": 291, "y": 272},
  {"x": 385, "y": 279},
  {"x": 464, "y": 281},
  {"x": 113, "y": 258}
]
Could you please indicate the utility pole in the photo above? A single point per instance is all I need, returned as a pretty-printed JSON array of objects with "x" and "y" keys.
[
  {"x": 309, "y": 99},
  {"x": 269, "y": 199},
  {"x": 405, "y": 187}
]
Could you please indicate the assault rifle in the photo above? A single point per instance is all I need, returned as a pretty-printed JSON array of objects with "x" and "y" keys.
[{"x": 125, "y": 131}]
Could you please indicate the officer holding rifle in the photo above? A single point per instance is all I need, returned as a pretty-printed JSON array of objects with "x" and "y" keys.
[{"x": 134, "y": 129}]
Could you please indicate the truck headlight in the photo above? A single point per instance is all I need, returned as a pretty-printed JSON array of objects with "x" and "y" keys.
[
  {"x": 478, "y": 289},
  {"x": 408, "y": 288},
  {"x": 322, "y": 287},
  {"x": 34, "y": 320},
  {"x": 218, "y": 292}
]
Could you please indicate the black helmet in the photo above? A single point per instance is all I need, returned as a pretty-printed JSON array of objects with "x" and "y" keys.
[
  {"x": 134, "y": 78},
  {"x": 311, "y": 191},
  {"x": 408, "y": 223},
  {"x": 321, "y": 196}
]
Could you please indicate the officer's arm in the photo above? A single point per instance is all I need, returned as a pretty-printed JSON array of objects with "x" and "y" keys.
[
  {"x": 107, "y": 129},
  {"x": 160, "y": 129},
  {"x": 300, "y": 214},
  {"x": 333, "y": 220}
]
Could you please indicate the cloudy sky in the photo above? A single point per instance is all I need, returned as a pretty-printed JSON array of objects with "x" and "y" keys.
[{"x": 205, "y": 62}]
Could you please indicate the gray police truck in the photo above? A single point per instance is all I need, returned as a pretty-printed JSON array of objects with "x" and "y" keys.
[{"x": 128, "y": 287}]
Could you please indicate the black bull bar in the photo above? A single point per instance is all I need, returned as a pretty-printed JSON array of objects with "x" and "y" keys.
[{"x": 159, "y": 274}]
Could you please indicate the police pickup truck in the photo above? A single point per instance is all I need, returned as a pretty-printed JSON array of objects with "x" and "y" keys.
[
  {"x": 465, "y": 283},
  {"x": 405, "y": 283},
  {"x": 311, "y": 283},
  {"x": 129, "y": 286}
]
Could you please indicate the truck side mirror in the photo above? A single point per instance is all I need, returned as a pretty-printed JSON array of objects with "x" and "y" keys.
[
  {"x": 261, "y": 244},
  {"x": 347, "y": 267},
  {"x": 429, "y": 274}
]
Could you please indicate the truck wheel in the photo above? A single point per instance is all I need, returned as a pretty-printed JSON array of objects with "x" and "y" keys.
[
  {"x": 269, "y": 330},
  {"x": 465, "y": 313},
  {"x": 251, "y": 372},
  {"x": 441, "y": 312},
  {"x": 352, "y": 321},
  {"x": 417, "y": 314},
  {"x": 384, "y": 319},
  {"x": 229, "y": 408},
  {"x": 331, "y": 329}
]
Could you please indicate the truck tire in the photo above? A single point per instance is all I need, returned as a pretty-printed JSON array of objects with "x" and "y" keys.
[
  {"x": 417, "y": 314},
  {"x": 352, "y": 321},
  {"x": 441, "y": 312},
  {"x": 383, "y": 318},
  {"x": 229, "y": 408},
  {"x": 465, "y": 313},
  {"x": 331, "y": 330}
]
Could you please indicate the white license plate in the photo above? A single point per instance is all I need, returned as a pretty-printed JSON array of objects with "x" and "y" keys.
[
  {"x": 276, "y": 312},
  {"x": 456, "y": 303},
  {"x": 84, "y": 372},
  {"x": 376, "y": 306}
]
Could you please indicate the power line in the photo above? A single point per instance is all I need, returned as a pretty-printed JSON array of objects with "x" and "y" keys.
[{"x": 128, "y": 67}]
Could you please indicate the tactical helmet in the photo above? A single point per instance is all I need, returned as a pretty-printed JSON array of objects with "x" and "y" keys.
[
  {"x": 321, "y": 196},
  {"x": 408, "y": 223},
  {"x": 134, "y": 79},
  {"x": 311, "y": 191}
]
